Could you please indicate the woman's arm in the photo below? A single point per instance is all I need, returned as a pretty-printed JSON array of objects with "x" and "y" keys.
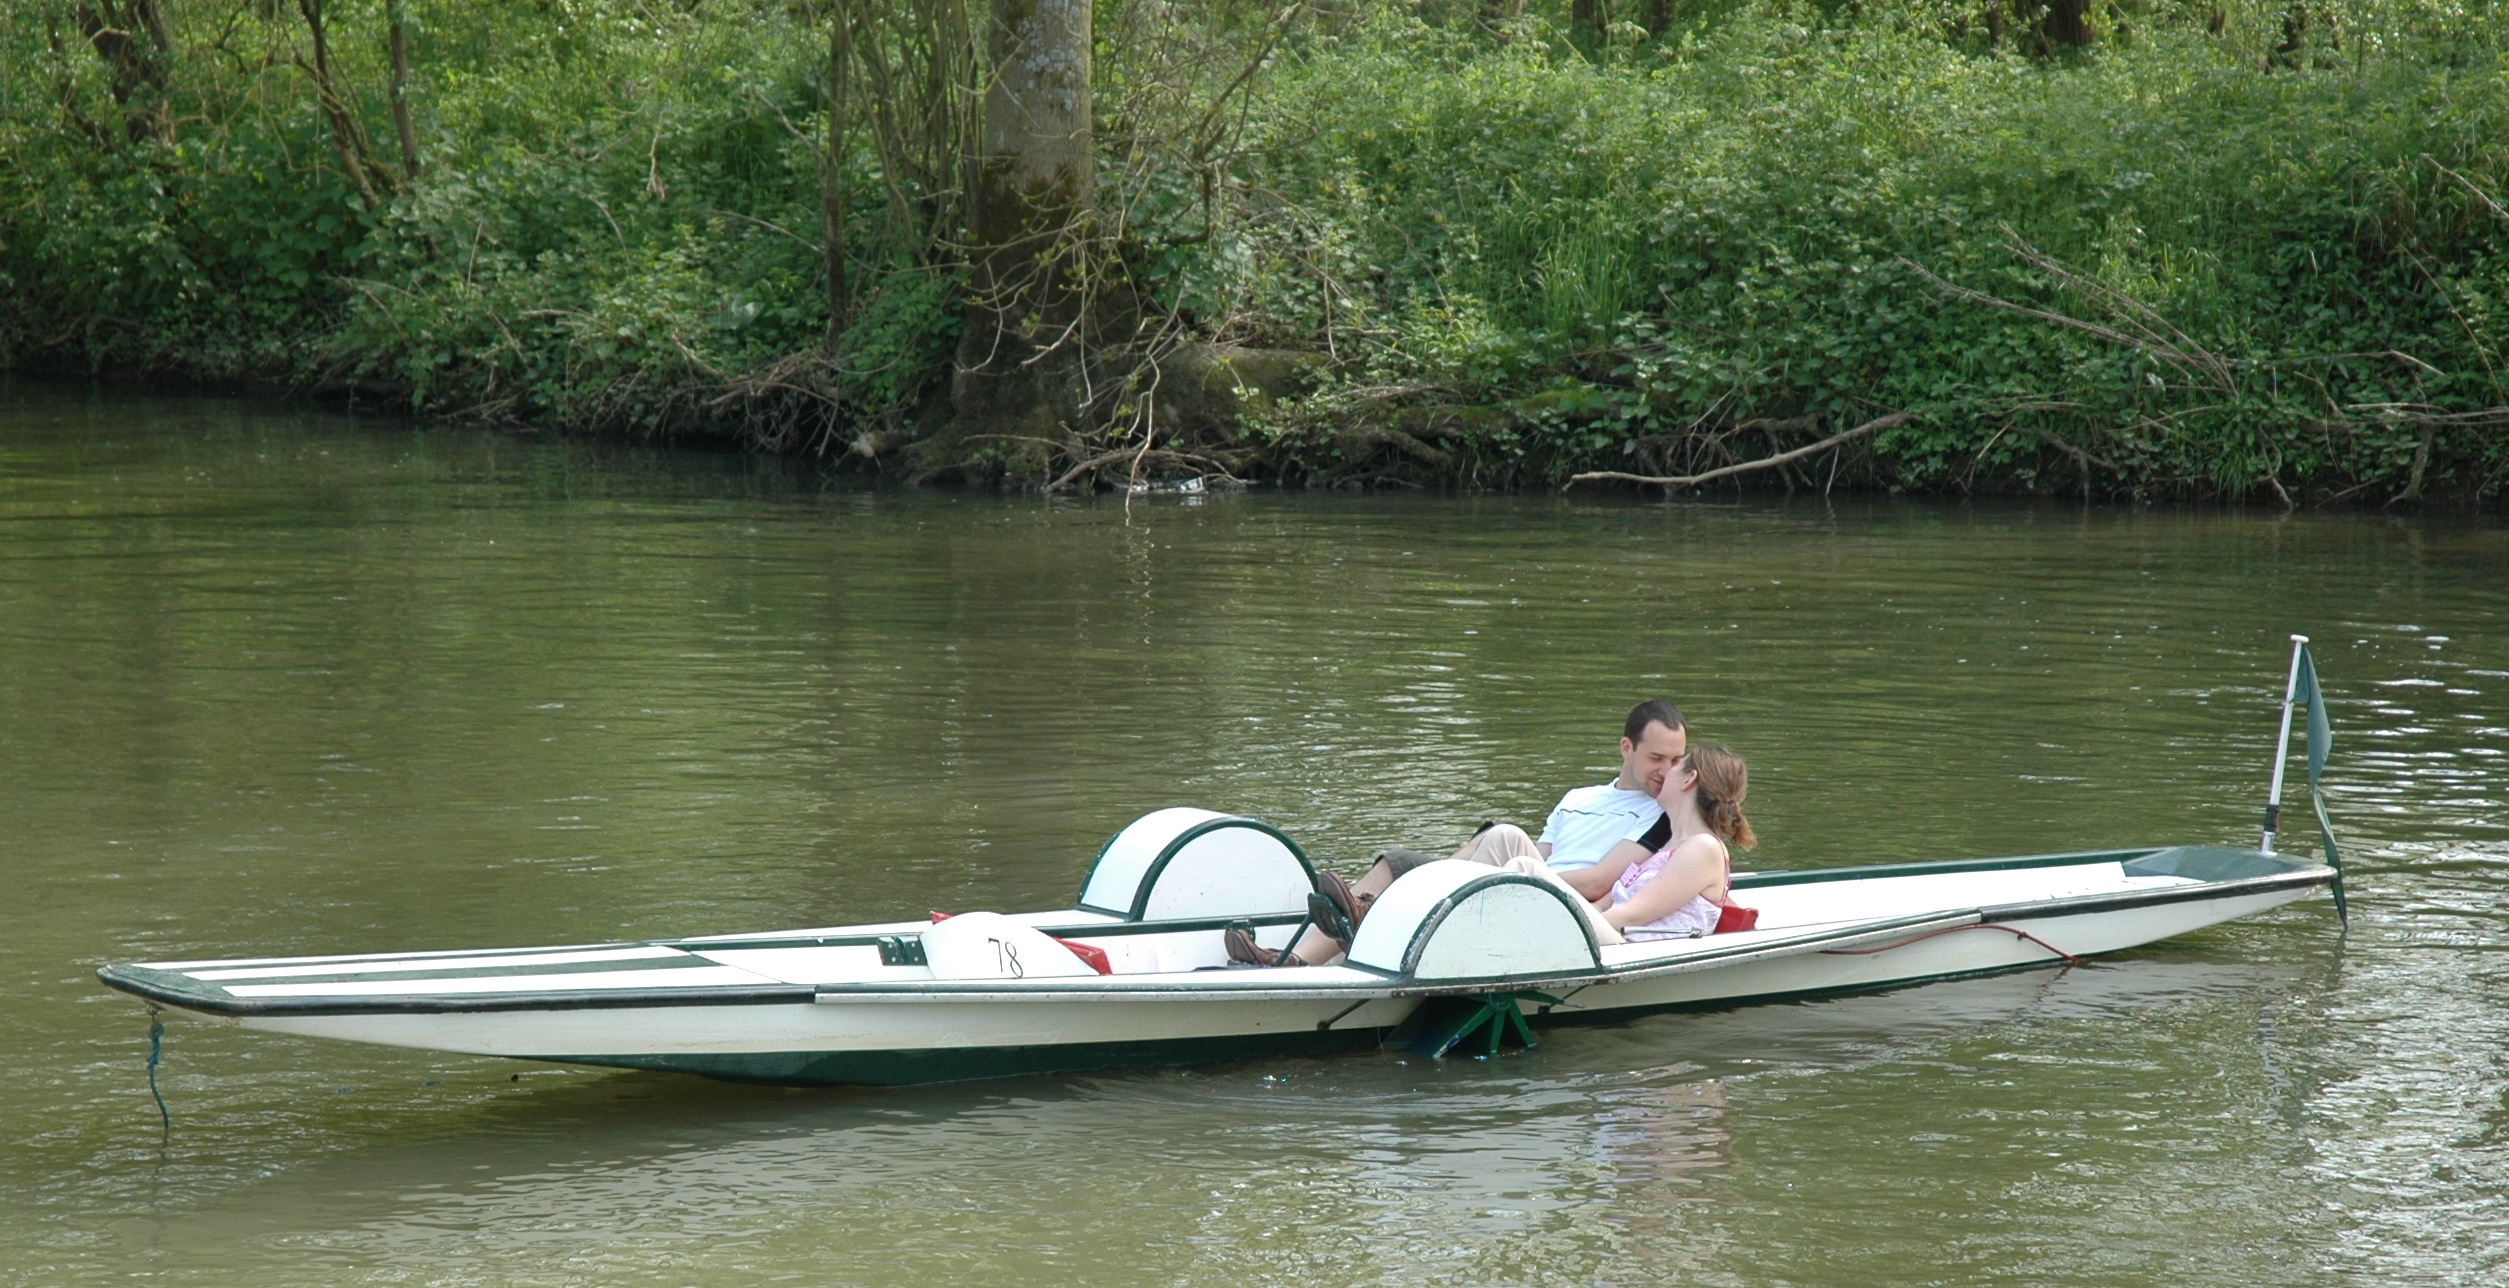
[
  {"x": 1694, "y": 868},
  {"x": 1595, "y": 883}
]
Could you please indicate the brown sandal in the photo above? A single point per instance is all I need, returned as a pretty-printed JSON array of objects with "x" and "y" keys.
[
  {"x": 1243, "y": 948},
  {"x": 1337, "y": 892}
]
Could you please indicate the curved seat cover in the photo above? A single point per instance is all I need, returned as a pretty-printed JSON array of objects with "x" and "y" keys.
[
  {"x": 1456, "y": 920},
  {"x": 1179, "y": 863}
]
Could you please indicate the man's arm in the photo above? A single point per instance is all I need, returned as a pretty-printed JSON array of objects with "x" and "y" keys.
[{"x": 1596, "y": 881}]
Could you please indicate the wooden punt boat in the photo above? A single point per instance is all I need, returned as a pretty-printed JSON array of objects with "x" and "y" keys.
[{"x": 1452, "y": 953}]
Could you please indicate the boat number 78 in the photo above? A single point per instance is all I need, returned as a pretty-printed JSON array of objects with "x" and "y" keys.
[{"x": 1006, "y": 959}]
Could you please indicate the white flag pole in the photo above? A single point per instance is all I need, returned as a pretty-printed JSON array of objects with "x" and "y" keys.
[{"x": 2282, "y": 746}]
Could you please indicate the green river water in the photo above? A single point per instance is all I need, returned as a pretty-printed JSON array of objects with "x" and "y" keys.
[{"x": 278, "y": 682}]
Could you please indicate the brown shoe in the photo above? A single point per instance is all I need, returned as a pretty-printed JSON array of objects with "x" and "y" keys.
[
  {"x": 1243, "y": 948},
  {"x": 1333, "y": 888}
]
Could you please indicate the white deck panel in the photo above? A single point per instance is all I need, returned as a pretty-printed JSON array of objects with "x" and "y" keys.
[
  {"x": 575, "y": 982},
  {"x": 446, "y": 955},
  {"x": 1815, "y": 902},
  {"x": 840, "y": 964},
  {"x": 1655, "y": 951},
  {"x": 1055, "y": 918},
  {"x": 408, "y": 965}
]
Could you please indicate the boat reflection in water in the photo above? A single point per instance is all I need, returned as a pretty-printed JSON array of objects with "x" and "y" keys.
[{"x": 1662, "y": 1142}]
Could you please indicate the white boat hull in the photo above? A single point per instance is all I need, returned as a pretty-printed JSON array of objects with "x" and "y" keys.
[{"x": 855, "y": 1005}]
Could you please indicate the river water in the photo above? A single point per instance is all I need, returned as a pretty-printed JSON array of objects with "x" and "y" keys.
[{"x": 280, "y": 682}]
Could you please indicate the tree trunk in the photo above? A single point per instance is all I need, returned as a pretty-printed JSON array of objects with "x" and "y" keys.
[
  {"x": 65, "y": 86},
  {"x": 2295, "y": 49},
  {"x": 2067, "y": 24},
  {"x": 1585, "y": 17},
  {"x": 398, "y": 16},
  {"x": 137, "y": 45},
  {"x": 357, "y": 160},
  {"x": 832, "y": 181},
  {"x": 1019, "y": 360}
]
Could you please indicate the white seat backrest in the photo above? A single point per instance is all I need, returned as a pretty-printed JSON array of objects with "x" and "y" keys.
[
  {"x": 1193, "y": 863},
  {"x": 1456, "y": 920}
]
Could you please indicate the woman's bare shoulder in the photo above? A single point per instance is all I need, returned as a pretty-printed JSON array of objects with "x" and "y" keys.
[{"x": 1702, "y": 847}]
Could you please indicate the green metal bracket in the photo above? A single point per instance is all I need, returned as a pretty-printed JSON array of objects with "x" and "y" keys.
[{"x": 1480, "y": 1025}]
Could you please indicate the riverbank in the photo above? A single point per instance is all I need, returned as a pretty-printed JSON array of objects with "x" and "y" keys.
[{"x": 1378, "y": 246}]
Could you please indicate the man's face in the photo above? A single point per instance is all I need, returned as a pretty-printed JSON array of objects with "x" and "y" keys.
[{"x": 1646, "y": 761}]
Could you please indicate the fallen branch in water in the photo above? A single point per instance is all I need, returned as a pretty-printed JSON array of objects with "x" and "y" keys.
[
  {"x": 1212, "y": 466},
  {"x": 1873, "y": 426}
]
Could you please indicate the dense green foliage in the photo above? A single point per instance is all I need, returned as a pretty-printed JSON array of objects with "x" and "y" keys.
[
  {"x": 613, "y": 217},
  {"x": 1747, "y": 221},
  {"x": 2222, "y": 252}
]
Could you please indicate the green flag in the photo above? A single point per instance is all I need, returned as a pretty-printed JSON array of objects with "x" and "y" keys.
[
  {"x": 2319, "y": 735},
  {"x": 2304, "y": 689}
]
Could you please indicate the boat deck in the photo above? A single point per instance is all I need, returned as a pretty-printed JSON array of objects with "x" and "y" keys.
[{"x": 866, "y": 961}]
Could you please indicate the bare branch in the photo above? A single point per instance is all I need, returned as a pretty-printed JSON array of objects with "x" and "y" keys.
[
  {"x": 1873, "y": 426},
  {"x": 2468, "y": 185}
]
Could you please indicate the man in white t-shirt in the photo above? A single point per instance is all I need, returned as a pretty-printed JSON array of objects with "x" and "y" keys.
[
  {"x": 1614, "y": 820},
  {"x": 1593, "y": 825}
]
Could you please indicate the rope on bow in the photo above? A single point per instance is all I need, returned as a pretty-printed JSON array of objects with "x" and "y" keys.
[{"x": 156, "y": 1050}]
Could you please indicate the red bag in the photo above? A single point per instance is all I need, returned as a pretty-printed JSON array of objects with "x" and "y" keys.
[{"x": 1731, "y": 917}]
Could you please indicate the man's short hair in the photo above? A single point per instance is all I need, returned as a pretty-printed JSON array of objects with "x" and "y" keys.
[{"x": 1651, "y": 711}]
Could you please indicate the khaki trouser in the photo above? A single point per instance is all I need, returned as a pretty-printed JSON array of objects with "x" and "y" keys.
[
  {"x": 1507, "y": 846},
  {"x": 1500, "y": 842}
]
